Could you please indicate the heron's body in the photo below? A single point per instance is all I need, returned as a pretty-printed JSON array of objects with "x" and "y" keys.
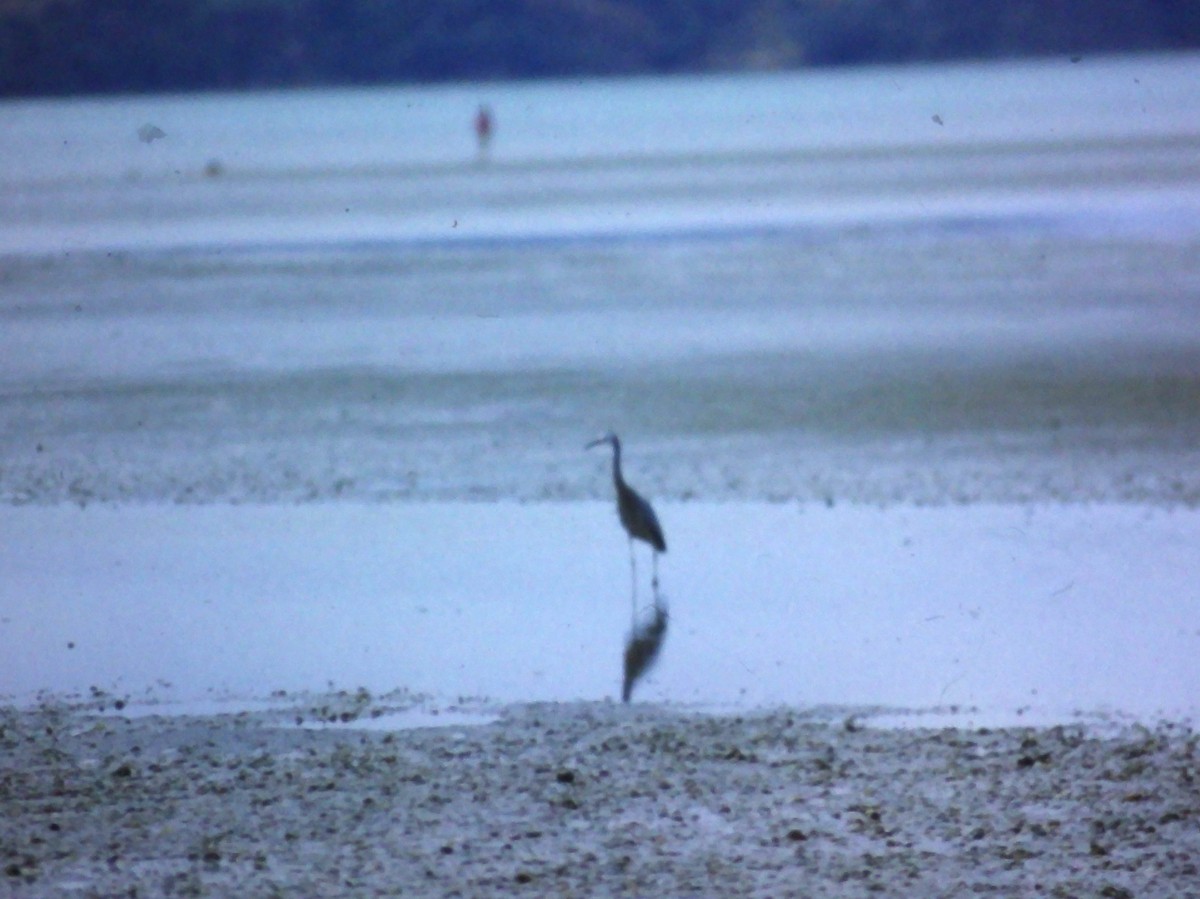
[{"x": 637, "y": 516}]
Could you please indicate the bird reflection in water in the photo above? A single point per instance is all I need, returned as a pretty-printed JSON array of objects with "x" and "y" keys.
[{"x": 643, "y": 644}]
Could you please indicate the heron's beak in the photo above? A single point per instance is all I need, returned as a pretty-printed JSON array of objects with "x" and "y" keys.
[{"x": 596, "y": 442}]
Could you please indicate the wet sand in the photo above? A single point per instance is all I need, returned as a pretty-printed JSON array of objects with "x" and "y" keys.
[{"x": 589, "y": 799}]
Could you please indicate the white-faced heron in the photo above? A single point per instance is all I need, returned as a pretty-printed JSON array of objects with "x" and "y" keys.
[{"x": 637, "y": 516}]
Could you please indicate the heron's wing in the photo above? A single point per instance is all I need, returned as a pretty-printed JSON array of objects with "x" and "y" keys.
[{"x": 638, "y": 517}]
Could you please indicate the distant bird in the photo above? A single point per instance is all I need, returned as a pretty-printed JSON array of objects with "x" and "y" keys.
[
  {"x": 637, "y": 517},
  {"x": 148, "y": 133}
]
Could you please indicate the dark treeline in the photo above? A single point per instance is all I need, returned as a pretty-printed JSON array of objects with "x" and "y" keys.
[{"x": 101, "y": 46}]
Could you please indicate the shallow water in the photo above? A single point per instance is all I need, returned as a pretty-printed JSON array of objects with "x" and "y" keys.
[{"x": 1043, "y": 612}]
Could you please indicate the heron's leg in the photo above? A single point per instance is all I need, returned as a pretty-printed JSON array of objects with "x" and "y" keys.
[
  {"x": 654, "y": 580},
  {"x": 633, "y": 580}
]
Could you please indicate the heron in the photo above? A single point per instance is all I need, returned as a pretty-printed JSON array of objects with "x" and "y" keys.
[{"x": 637, "y": 516}]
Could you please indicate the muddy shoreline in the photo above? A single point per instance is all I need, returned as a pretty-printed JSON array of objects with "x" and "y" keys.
[{"x": 592, "y": 799}]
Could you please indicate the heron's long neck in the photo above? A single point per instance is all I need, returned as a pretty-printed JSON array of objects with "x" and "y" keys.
[{"x": 617, "y": 479}]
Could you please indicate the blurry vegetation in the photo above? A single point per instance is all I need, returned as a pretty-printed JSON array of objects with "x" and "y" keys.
[{"x": 98, "y": 46}]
